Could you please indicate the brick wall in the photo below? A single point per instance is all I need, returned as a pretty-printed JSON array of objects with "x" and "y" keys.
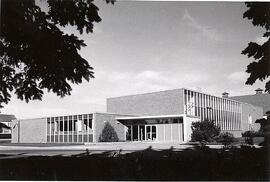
[
  {"x": 157, "y": 103},
  {"x": 98, "y": 125},
  {"x": 256, "y": 113},
  {"x": 29, "y": 131}
]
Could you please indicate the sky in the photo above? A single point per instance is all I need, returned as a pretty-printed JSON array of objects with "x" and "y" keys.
[{"x": 141, "y": 47}]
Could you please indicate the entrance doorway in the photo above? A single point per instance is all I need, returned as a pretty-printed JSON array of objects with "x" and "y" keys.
[{"x": 141, "y": 132}]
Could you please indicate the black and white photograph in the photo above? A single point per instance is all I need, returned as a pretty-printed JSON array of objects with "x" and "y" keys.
[{"x": 125, "y": 90}]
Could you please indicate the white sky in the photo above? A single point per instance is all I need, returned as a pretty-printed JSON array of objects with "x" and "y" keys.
[{"x": 142, "y": 47}]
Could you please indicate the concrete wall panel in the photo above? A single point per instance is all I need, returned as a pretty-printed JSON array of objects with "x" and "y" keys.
[
  {"x": 160, "y": 132},
  {"x": 175, "y": 132}
]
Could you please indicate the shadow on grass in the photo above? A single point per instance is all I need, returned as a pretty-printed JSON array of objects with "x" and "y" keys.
[{"x": 198, "y": 163}]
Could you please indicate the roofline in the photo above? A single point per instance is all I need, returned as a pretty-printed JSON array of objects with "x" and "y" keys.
[
  {"x": 146, "y": 93},
  {"x": 183, "y": 88},
  {"x": 111, "y": 113},
  {"x": 52, "y": 116},
  {"x": 250, "y": 95},
  {"x": 45, "y": 117}
]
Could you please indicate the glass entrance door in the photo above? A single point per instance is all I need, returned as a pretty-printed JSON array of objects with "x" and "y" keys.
[{"x": 151, "y": 132}]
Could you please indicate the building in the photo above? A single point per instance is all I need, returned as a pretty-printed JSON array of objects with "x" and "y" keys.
[
  {"x": 159, "y": 116},
  {"x": 5, "y": 124},
  {"x": 258, "y": 99}
]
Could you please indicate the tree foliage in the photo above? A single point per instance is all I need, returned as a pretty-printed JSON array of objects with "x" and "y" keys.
[
  {"x": 204, "y": 131},
  {"x": 108, "y": 134},
  {"x": 35, "y": 54},
  {"x": 259, "y": 14}
]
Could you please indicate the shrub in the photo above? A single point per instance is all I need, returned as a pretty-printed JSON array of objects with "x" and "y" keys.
[
  {"x": 108, "y": 134},
  {"x": 252, "y": 134},
  {"x": 204, "y": 131},
  {"x": 249, "y": 135},
  {"x": 226, "y": 138}
]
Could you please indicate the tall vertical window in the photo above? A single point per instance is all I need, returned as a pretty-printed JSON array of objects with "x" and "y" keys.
[{"x": 225, "y": 112}]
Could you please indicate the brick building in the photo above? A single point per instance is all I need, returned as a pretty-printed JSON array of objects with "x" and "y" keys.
[{"x": 158, "y": 116}]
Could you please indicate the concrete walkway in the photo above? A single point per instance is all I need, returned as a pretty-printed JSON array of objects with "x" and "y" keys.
[{"x": 125, "y": 146}]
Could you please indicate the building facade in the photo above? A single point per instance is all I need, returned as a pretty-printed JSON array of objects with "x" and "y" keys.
[{"x": 158, "y": 116}]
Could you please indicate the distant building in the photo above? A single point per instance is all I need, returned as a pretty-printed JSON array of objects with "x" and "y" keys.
[
  {"x": 258, "y": 99},
  {"x": 159, "y": 116},
  {"x": 5, "y": 124}
]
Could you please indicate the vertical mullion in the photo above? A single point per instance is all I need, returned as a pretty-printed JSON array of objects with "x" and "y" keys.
[
  {"x": 86, "y": 128},
  {"x": 202, "y": 106},
  {"x": 62, "y": 120},
  {"x": 222, "y": 113},
  {"x": 226, "y": 114},
  {"x": 73, "y": 128},
  {"x": 55, "y": 127},
  {"x": 231, "y": 115},
  {"x": 198, "y": 104},
  {"x": 233, "y": 124},
  {"x": 50, "y": 128},
  {"x": 58, "y": 127},
  {"x": 229, "y": 125}
]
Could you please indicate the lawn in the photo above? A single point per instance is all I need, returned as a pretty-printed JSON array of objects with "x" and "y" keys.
[{"x": 190, "y": 164}]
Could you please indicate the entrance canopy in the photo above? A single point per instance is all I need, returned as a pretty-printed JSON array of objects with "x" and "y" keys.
[
  {"x": 149, "y": 117},
  {"x": 156, "y": 128},
  {"x": 158, "y": 119}
]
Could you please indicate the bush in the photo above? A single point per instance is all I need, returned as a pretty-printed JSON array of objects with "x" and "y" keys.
[
  {"x": 108, "y": 134},
  {"x": 204, "y": 131},
  {"x": 226, "y": 138},
  {"x": 249, "y": 135},
  {"x": 252, "y": 134}
]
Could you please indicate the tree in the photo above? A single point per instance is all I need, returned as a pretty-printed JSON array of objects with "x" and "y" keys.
[
  {"x": 204, "y": 131},
  {"x": 36, "y": 54},
  {"x": 108, "y": 134},
  {"x": 259, "y": 13}
]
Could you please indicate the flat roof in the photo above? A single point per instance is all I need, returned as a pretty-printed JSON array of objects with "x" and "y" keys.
[
  {"x": 176, "y": 90},
  {"x": 154, "y": 117}
]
